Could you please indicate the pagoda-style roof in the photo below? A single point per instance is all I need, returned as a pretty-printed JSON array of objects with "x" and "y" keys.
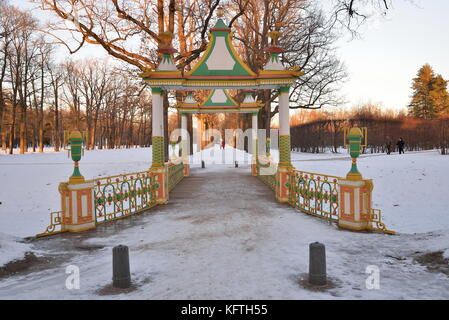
[
  {"x": 219, "y": 101},
  {"x": 220, "y": 67}
]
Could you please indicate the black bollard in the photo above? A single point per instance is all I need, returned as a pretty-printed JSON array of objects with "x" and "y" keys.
[
  {"x": 236, "y": 164},
  {"x": 121, "y": 277},
  {"x": 317, "y": 264},
  {"x": 203, "y": 165}
]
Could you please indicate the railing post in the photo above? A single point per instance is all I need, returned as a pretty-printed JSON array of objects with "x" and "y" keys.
[
  {"x": 78, "y": 206},
  {"x": 161, "y": 179},
  {"x": 354, "y": 191},
  {"x": 77, "y": 198}
]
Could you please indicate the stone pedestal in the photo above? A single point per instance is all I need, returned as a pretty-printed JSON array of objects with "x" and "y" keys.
[
  {"x": 254, "y": 167},
  {"x": 186, "y": 167},
  {"x": 282, "y": 179},
  {"x": 78, "y": 206},
  {"x": 355, "y": 203},
  {"x": 161, "y": 181}
]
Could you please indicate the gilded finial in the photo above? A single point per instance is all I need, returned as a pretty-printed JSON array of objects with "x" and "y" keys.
[
  {"x": 166, "y": 38},
  {"x": 274, "y": 35},
  {"x": 220, "y": 12}
]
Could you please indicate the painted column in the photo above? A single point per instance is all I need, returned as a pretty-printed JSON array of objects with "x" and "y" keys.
[
  {"x": 158, "y": 167},
  {"x": 354, "y": 191},
  {"x": 77, "y": 199},
  {"x": 284, "y": 166},
  {"x": 185, "y": 143},
  {"x": 254, "y": 144},
  {"x": 77, "y": 206}
]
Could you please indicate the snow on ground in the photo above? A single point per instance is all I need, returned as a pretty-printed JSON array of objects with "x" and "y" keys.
[
  {"x": 223, "y": 236},
  {"x": 29, "y": 183},
  {"x": 409, "y": 188},
  {"x": 11, "y": 248}
]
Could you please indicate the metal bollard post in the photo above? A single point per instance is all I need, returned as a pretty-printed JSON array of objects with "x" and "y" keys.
[
  {"x": 317, "y": 264},
  {"x": 236, "y": 164},
  {"x": 121, "y": 277},
  {"x": 203, "y": 165}
]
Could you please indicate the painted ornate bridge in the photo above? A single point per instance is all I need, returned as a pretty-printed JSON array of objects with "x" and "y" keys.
[{"x": 345, "y": 200}]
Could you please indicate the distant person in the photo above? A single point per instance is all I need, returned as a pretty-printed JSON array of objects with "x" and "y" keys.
[
  {"x": 388, "y": 145},
  {"x": 400, "y": 145},
  {"x": 222, "y": 144}
]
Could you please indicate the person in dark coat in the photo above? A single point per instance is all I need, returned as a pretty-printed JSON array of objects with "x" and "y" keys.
[
  {"x": 388, "y": 145},
  {"x": 400, "y": 145}
]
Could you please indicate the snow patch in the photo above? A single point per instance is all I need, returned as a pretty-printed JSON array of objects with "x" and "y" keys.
[{"x": 11, "y": 249}]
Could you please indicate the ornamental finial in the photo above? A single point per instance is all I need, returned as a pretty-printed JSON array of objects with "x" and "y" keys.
[
  {"x": 166, "y": 38},
  {"x": 274, "y": 35},
  {"x": 220, "y": 12}
]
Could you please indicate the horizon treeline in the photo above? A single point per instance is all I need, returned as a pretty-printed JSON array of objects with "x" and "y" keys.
[{"x": 319, "y": 132}]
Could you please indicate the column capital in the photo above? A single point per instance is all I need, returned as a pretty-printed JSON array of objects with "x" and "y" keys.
[
  {"x": 284, "y": 89},
  {"x": 157, "y": 90}
]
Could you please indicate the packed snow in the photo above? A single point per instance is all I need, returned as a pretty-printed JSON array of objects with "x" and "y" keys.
[
  {"x": 223, "y": 235},
  {"x": 12, "y": 248}
]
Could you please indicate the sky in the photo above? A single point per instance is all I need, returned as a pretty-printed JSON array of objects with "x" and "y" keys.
[
  {"x": 383, "y": 62},
  {"x": 391, "y": 49}
]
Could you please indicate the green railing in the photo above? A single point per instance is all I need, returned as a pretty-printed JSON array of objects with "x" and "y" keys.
[
  {"x": 269, "y": 180},
  {"x": 315, "y": 194},
  {"x": 123, "y": 195},
  {"x": 266, "y": 171},
  {"x": 175, "y": 174}
]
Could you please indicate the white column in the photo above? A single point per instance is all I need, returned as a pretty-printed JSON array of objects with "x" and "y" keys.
[
  {"x": 284, "y": 127},
  {"x": 158, "y": 128},
  {"x": 158, "y": 113},
  {"x": 284, "y": 118},
  {"x": 254, "y": 134},
  {"x": 184, "y": 136}
]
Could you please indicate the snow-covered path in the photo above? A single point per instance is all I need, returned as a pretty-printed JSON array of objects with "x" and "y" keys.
[{"x": 223, "y": 236}]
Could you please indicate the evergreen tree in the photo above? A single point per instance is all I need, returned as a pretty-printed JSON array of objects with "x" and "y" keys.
[
  {"x": 439, "y": 95},
  {"x": 430, "y": 98}
]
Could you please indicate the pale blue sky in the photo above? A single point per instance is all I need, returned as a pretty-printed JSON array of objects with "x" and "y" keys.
[{"x": 383, "y": 62}]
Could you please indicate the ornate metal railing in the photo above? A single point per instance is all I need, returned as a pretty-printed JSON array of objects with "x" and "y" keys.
[
  {"x": 123, "y": 195},
  {"x": 269, "y": 180},
  {"x": 55, "y": 225},
  {"x": 315, "y": 194},
  {"x": 267, "y": 171},
  {"x": 175, "y": 174},
  {"x": 376, "y": 222}
]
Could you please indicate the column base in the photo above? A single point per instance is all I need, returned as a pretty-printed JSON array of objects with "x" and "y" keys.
[
  {"x": 78, "y": 206},
  {"x": 355, "y": 204},
  {"x": 282, "y": 179},
  {"x": 254, "y": 168},
  {"x": 353, "y": 225},
  {"x": 79, "y": 227},
  {"x": 161, "y": 178},
  {"x": 186, "y": 168}
]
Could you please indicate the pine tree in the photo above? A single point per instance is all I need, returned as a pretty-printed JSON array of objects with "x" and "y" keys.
[
  {"x": 430, "y": 98},
  {"x": 439, "y": 95}
]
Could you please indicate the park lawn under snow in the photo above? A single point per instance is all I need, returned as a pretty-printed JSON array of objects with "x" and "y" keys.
[
  {"x": 409, "y": 189},
  {"x": 194, "y": 249}
]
